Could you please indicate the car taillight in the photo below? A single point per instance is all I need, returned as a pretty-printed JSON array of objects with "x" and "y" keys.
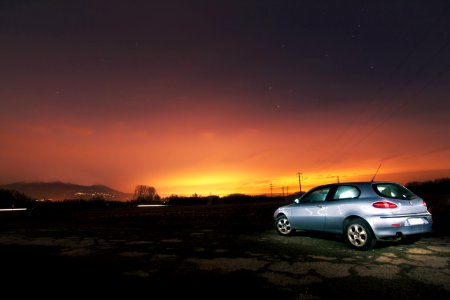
[
  {"x": 424, "y": 203},
  {"x": 384, "y": 204}
]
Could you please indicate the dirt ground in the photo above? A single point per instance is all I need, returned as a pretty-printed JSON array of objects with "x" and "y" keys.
[{"x": 217, "y": 251}]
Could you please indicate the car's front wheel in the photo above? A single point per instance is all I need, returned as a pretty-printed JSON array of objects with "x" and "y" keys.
[
  {"x": 360, "y": 235},
  {"x": 283, "y": 225}
]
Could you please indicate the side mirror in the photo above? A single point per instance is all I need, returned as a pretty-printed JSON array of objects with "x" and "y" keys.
[{"x": 296, "y": 201}]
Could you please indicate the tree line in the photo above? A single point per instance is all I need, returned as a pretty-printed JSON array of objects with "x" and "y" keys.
[
  {"x": 14, "y": 199},
  {"x": 439, "y": 186},
  {"x": 144, "y": 194}
]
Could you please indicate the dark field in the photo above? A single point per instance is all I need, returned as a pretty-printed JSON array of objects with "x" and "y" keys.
[{"x": 216, "y": 251}]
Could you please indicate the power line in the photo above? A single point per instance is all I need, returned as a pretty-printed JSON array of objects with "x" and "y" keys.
[
  {"x": 299, "y": 181},
  {"x": 382, "y": 116},
  {"x": 357, "y": 138}
]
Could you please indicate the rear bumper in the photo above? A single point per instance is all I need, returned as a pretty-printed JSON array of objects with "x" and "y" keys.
[{"x": 404, "y": 225}]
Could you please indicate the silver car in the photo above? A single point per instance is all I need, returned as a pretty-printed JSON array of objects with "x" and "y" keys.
[{"x": 363, "y": 212}]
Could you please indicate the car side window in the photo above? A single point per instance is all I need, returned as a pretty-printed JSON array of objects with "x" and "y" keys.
[
  {"x": 316, "y": 195},
  {"x": 346, "y": 192}
]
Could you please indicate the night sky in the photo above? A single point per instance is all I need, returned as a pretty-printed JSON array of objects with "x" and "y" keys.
[{"x": 219, "y": 97}]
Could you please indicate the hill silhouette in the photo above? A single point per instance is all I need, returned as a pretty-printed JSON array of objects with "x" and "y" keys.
[{"x": 58, "y": 191}]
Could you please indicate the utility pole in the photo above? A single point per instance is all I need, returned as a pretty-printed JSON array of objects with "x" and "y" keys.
[
  {"x": 282, "y": 190},
  {"x": 271, "y": 186},
  {"x": 337, "y": 179},
  {"x": 299, "y": 181}
]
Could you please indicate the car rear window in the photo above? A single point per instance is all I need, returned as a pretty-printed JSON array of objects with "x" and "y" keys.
[{"x": 392, "y": 190}]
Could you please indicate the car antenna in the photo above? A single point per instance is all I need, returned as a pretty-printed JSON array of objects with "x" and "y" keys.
[{"x": 373, "y": 178}]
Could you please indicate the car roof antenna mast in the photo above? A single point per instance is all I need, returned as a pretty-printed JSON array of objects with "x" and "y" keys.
[{"x": 373, "y": 178}]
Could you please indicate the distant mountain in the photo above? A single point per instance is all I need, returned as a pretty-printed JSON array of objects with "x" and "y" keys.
[{"x": 58, "y": 191}]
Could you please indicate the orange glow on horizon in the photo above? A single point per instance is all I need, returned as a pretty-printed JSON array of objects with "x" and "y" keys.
[
  {"x": 189, "y": 160},
  {"x": 220, "y": 185}
]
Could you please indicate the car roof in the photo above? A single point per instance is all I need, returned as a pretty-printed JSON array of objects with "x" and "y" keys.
[{"x": 357, "y": 183}]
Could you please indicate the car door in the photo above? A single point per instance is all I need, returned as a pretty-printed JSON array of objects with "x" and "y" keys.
[
  {"x": 310, "y": 212},
  {"x": 339, "y": 200}
]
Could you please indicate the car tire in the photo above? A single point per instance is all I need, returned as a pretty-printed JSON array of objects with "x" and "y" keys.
[
  {"x": 359, "y": 235},
  {"x": 283, "y": 226}
]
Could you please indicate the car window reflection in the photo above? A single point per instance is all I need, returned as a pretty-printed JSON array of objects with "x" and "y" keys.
[{"x": 346, "y": 192}]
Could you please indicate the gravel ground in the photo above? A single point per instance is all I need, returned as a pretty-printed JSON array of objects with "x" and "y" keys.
[{"x": 217, "y": 251}]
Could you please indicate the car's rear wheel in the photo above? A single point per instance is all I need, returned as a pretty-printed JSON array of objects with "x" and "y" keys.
[
  {"x": 283, "y": 225},
  {"x": 360, "y": 235}
]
